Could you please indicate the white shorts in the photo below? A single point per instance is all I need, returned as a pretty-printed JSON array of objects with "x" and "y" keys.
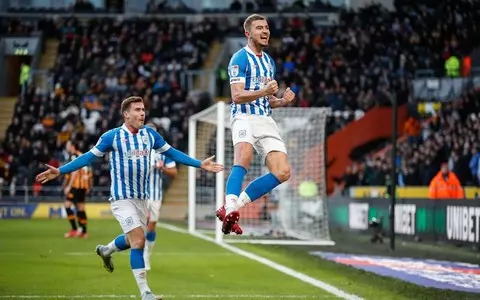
[
  {"x": 130, "y": 213},
  {"x": 154, "y": 210},
  {"x": 260, "y": 131}
]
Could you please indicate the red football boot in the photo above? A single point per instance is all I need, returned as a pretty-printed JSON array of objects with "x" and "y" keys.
[
  {"x": 72, "y": 233},
  {"x": 220, "y": 213},
  {"x": 229, "y": 221}
]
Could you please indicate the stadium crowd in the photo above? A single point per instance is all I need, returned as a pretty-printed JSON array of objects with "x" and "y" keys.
[
  {"x": 352, "y": 66},
  {"x": 451, "y": 136},
  {"x": 98, "y": 64},
  {"x": 372, "y": 54}
]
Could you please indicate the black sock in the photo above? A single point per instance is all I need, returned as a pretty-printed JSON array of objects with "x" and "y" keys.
[
  {"x": 82, "y": 220},
  {"x": 71, "y": 217}
]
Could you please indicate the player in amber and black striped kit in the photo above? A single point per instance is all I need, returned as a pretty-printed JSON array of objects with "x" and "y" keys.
[{"x": 76, "y": 187}]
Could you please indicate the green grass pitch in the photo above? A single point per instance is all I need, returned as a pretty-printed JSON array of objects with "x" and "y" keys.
[{"x": 36, "y": 262}]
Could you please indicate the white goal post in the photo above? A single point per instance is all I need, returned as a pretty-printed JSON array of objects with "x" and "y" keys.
[{"x": 294, "y": 213}]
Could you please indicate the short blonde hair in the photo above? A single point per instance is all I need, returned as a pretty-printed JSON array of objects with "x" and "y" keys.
[{"x": 252, "y": 18}]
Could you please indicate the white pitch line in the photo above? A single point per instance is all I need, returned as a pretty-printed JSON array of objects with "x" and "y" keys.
[
  {"x": 192, "y": 296},
  {"x": 281, "y": 268}
]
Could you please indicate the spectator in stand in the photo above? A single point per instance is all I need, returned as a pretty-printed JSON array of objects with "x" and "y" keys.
[{"x": 412, "y": 130}]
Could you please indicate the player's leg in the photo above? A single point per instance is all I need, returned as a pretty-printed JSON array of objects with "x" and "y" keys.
[
  {"x": 272, "y": 148},
  {"x": 81, "y": 214},
  {"x": 70, "y": 215},
  {"x": 243, "y": 153},
  {"x": 151, "y": 234},
  {"x": 122, "y": 212},
  {"x": 120, "y": 243},
  {"x": 132, "y": 216},
  {"x": 279, "y": 167},
  {"x": 136, "y": 237}
]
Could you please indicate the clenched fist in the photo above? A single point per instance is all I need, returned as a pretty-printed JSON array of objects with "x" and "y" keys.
[
  {"x": 289, "y": 96},
  {"x": 271, "y": 88}
]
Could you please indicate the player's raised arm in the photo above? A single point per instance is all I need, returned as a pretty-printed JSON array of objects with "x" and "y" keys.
[
  {"x": 237, "y": 72},
  {"x": 161, "y": 146},
  {"x": 104, "y": 145}
]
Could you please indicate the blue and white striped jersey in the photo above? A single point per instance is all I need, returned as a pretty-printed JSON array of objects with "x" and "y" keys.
[
  {"x": 130, "y": 160},
  {"x": 255, "y": 71},
  {"x": 156, "y": 187}
]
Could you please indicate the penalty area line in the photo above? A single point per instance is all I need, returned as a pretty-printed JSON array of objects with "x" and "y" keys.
[{"x": 281, "y": 268}]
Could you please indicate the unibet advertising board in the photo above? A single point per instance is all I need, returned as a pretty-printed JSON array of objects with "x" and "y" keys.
[{"x": 446, "y": 220}]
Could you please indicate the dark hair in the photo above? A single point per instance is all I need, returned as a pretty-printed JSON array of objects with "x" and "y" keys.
[{"x": 74, "y": 143}]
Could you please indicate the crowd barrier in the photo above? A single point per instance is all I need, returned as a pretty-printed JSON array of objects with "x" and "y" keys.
[
  {"x": 450, "y": 221},
  {"x": 412, "y": 192}
]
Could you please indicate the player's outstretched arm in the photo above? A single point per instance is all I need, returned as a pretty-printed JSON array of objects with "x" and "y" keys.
[
  {"x": 103, "y": 145},
  {"x": 78, "y": 163},
  {"x": 180, "y": 157}
]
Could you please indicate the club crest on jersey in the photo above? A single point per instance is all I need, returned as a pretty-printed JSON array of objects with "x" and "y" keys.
[
  {"x": 234, "y": 70},
  {"x": 145, "y": 139}
]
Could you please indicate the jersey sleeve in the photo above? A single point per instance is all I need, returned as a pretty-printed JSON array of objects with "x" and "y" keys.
[
  {"x": 159, "y": 143},
  {"x": 169, "y": 163},
  {"x": 237, "y": 68},
  {"x": 104, "y": 144}
]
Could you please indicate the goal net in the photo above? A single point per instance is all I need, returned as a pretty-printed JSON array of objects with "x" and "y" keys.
[{"x": 293, "y": 213}]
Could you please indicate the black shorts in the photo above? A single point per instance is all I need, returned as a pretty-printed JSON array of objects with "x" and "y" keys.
[{"x": 77, "y": 195}]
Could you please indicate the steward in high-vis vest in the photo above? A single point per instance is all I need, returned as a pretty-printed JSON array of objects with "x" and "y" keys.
[
  {"x": 452, "y": 66},
  {"x": 445, "y": 185},
  {"x": 24, "y": 74}
]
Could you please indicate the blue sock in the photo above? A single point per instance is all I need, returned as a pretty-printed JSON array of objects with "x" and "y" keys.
[
  {"x": 261, "y": 186},
  {"x": 121, "y": 242},
  {"x": 235, "y": 180},
  {"x": 151, "y": 236},
  {"x": 136, "y": 259}
]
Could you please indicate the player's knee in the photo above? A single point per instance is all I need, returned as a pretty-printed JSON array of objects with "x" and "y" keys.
[
  {"x": 282, "y": 173},
  {"x": 136, "y": 238},
  {"x": 80, "y": 207},
  {"x": 68, "y": 203},
  {"x": 137, "y": 242},
  {"x": 243, "y": 154}
]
